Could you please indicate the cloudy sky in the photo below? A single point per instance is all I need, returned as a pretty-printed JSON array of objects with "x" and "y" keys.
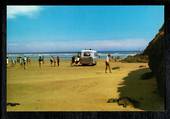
[{"x": 71, "y": 28}]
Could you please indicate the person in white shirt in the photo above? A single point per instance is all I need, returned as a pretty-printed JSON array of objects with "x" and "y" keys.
[
  {"x": 7, "y": 61},
  {"x": 107, "y": 63},
  {"x": 24, "y": 61}
]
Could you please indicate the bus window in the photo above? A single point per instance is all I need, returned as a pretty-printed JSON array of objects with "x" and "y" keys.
[{"x": 86, "y": 53}]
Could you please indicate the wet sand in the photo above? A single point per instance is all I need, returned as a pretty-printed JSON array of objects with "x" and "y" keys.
[{"x": 79, "y": 88}]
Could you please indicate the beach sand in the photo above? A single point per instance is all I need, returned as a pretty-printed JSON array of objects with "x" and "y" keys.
[{"x": 80, "y": 88}]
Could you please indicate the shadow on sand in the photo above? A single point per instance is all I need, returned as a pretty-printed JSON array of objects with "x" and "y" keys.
[
  {"x": 144, "y": 91},
  {"x": 79, "y": 65}
]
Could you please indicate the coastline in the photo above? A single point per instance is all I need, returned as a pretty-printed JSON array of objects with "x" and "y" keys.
[{"x": 68, "y": 55}]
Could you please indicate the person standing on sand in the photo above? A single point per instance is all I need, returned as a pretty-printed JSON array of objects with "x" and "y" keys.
[
  {"x": 107, "y": 63},
  {"x": 54, "y": 60},
  {"x": 72, "y": 60},
  {"x": 24, "y": 61},
  {"x": 58, "y": 61},
  {"x": 20, "y": 61},
  {"x": 13, "y": 61},
  {"x": 40, "y": 61},
  {"x": 51, "y": 60},
  {"x": 29, "y": 60},
  {"x": 7, "y": 61}
]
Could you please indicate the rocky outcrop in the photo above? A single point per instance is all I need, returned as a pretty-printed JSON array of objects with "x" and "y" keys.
[
  {"x": 156, "y": 54},
  {"x": 138, "y": 58}
]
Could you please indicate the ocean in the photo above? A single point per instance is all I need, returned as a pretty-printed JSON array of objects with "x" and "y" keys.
[{"x": 68, "y": 55}]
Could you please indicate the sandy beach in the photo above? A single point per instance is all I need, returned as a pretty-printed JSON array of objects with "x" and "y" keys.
[{"x": 80, "y": 88}]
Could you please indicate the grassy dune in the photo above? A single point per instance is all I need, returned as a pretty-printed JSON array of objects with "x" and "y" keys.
[{"x": 79, "y": 88}]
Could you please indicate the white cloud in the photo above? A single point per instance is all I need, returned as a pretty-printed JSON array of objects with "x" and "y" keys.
[
  {"x": 118, "y": 44},
  {"x": 124, "y": 44},
  {"x": 14, "y": 11}
]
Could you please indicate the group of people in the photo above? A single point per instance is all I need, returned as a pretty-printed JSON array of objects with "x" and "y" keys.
[
  {"x": 75, "y": 60},
  {"x": 23, "y": 61},
  {"x": 20, "y": 60},
  {"x": 53, "y": 61}
]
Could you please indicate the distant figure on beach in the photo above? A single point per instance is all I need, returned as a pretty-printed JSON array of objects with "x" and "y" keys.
[
  {"x": 13, "y": 61},
  {"x": 107, "y": 63},
  {"x": 72, "y": 60},
  {"x": 17, "y": 59},
  {"x": 29, "y": 60},
  {"x": 54, "y": 60},
  {"x": 77, "y": 59},
  {"x": 51, "y": 60},
  {"x": 7, "y": 61},
  {"x": 43, "y": 59},
  {"x": 58, "y": 61},
  {"x": 24, "y": 61},
  {"x": 20, "y": 61},
  {"x": 40, "y": 61}
]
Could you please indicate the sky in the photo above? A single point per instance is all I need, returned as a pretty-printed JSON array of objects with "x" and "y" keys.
[{"x": 72, "y": 28}]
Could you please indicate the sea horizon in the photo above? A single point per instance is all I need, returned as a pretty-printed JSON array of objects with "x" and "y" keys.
[
  {"x": 52, "y": 52},
  {"x": 67, "y": 55}
]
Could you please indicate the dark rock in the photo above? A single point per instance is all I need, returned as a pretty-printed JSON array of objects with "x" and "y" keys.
[
  {"x": 12, "y": 104},
  {"x": 124, "y": 101},
  {"x": 111, "y": 100},
  {"x": 156, "y": 54}
]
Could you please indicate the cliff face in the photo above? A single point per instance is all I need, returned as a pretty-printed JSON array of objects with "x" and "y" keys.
[
  {"x": 156, "y": 54},
  {"x": 136, "y": 58}
]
